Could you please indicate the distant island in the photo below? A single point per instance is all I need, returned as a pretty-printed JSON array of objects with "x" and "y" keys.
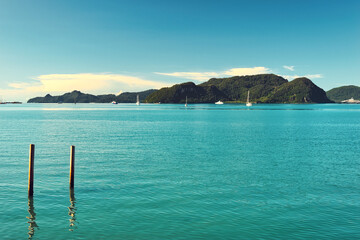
[
  {"x": 79, "y": 97},
  {"x": 340, "y": 94},
  {"x": 10, "y": 102},
  {"x": 264, "y": 88}
]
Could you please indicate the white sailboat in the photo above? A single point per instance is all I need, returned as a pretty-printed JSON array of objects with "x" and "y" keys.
[
  {"x": 351, "y": 100},
  {"x": 186, "y": 102},
  {"x": 137, "y": 100},
  {"x": 219, "y": 102},
  {"x": 248, "y": 103}
]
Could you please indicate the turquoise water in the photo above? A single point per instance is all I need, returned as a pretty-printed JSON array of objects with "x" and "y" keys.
[{"x": 166, "y": 172}]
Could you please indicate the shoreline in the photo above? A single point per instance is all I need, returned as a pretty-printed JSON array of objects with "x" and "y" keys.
[{"x": 184, "y": 103}]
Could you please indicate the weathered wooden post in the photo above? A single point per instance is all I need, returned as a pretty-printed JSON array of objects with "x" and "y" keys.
[
  {"x": 31, "y": 170},
  {"x": 72, "y": 166}
]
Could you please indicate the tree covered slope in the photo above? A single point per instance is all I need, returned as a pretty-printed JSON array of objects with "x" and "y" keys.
[
  {"x": 79, "y": 97},
  {"x": 265, "y": 88},
  {"x": 343, "y": 93}
]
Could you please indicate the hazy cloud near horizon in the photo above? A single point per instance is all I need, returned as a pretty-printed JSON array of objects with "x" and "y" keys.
[
  {"x": 310, "y": 76},
  {"x": 96, "y": 83},
  {"x": 204, "y": 76},
  {"x": 105, "y": 83}
]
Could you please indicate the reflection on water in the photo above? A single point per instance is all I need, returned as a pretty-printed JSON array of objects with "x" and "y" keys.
[
  {"x": 31, "y": 218},
  {"x": 72, "y": 211}
]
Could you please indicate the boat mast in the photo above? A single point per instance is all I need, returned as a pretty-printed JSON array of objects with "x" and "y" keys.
[{"x": 248, "y": 97}]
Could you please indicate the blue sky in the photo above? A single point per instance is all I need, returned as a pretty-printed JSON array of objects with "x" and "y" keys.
[{"x": 112, "y": 46}]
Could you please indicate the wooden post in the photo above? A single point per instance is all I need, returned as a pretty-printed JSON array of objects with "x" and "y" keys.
[
  {"x": 72, "y": 166},
  {"x": 31, "y": 170}
]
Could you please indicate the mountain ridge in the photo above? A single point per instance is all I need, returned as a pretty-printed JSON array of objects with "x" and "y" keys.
[
  {"x": 264, "y": 88},
  {"x": 79, "y": 97},
  {"x": 339, "y": 94}
]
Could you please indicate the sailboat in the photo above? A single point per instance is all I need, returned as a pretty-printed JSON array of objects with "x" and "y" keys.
[
  {"x": 137, "y": 100},
  {"x": 248, "y": 103},
  {"x": 186, "y": 102}
]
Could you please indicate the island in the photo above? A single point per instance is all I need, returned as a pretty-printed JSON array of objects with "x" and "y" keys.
[
  {"x": 263, "y": 88},
  {"x": 344, "y": 93},
  {"x": 79, "y": 97}
]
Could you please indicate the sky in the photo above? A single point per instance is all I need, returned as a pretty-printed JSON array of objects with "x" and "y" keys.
[{"x": 100, "y": 47}]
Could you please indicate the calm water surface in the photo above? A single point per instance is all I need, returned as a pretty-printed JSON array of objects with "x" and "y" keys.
[{"x": 166, "y": 172}]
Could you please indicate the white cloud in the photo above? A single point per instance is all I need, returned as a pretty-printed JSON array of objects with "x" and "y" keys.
[
  {"x": 314, "y": 76},
  {"x": 310, "y": 76},
  {"x": 95, "y": 83},
  {"x": 199, "y": 76},
  {"x": 203, "y": 76},
  {"x": 92, "y": 82},
  {"x": 291, "y": 68},
  {"x": 246, "y": 71}
]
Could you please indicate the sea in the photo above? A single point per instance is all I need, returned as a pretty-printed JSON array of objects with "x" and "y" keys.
[{"x": 166, "y": 171}]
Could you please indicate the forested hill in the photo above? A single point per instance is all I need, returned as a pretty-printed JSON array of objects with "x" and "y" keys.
[
  {"x": 79, "y": 97},
  {"x": 264, "y": 88},
  {"x": 343, "y": 93}
]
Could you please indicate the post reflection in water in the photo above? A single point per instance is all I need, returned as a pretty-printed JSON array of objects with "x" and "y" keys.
[
  {"x": 31, "y": 218},
  {"x": 72, "y": 211}
]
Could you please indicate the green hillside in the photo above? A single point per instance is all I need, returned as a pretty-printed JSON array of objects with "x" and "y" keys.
[
  {"x": 194, "y": 93},
  {"x": 300, "y": 90},
  {"x": 236, "y": 88},
  {"x": 343, "y": 93},
  {"x": 79, "y": 97},
  {"x": 266, "y": 88}
]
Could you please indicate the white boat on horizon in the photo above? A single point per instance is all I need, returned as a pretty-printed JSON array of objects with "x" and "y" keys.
[
  {"x": 351, "y": 100},
  {"x": 248, "y": 103},
  {"x": 219, "y": 102},
  {"x": 186, "y": 102},
  {"x": 113, "y": 102},
  {"x": 137, "y": 100}
]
